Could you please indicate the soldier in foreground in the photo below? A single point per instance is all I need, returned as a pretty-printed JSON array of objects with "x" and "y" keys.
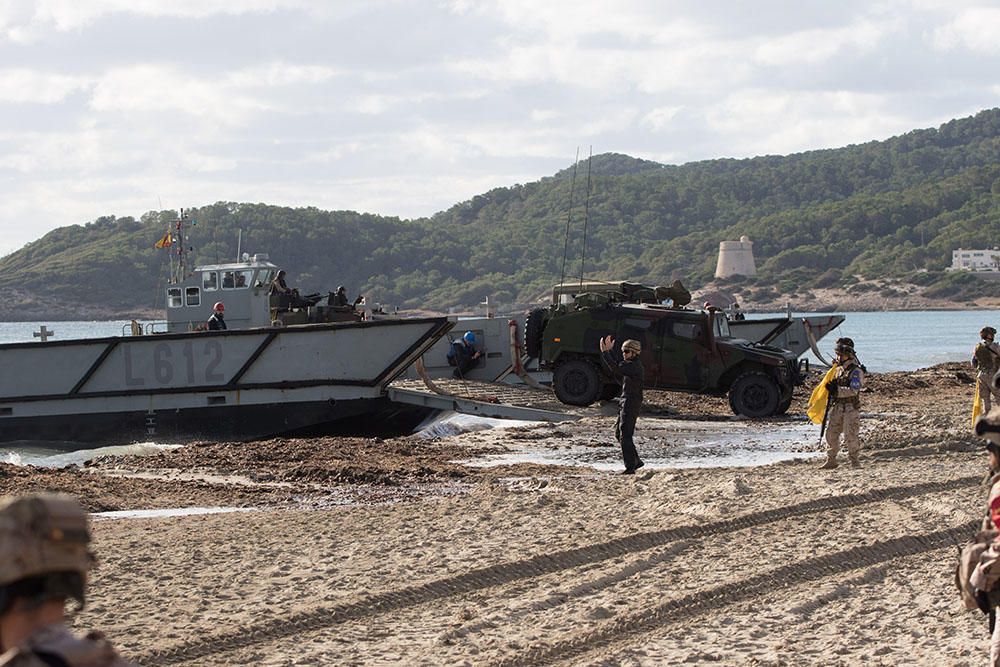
[
  {"x": 44, "y": 562},
  {"x": 979, "y": 568},
  {"x": 844, "y": 408},
  {"x": 986, "y": 361},
  {"x": 629, "y": 370}
]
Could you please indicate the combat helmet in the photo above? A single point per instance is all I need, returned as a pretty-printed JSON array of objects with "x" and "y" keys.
[
  {"x": 43, "y": 541},
  {"x": 988, "y": 428}
]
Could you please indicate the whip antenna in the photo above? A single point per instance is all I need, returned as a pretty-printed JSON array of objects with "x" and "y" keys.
[
  {"x": 569, "y": 216},
  {"x": 586, "y": 217}
]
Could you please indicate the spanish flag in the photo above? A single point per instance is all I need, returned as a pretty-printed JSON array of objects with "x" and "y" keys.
[
  {"x": 819, "y": 397},
  {"x": 165, "y": 242},
  {"x": 977, "y": 405}
]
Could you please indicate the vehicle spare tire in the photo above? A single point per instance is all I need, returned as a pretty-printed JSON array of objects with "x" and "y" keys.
[
  {"x": 576, "y": 382},
  {"x": 754, "y": 394},
  {"x": 533, "y": 326}
]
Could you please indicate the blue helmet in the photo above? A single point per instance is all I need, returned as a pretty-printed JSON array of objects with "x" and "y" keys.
[{"x": 469, "y": 338}]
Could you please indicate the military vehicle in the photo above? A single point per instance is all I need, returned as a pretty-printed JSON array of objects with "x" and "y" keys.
[{"x": 682, "y": 349}]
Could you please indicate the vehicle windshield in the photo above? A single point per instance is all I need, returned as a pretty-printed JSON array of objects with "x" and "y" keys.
[{"x": 721, "y": 326}]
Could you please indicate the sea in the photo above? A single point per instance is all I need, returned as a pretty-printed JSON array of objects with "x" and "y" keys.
[{"x": 885, "y": 341}]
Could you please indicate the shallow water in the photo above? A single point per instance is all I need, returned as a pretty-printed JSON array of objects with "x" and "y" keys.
[
  {"x": 672, "y": 443},
  {"x": 43, "y": 457},
  {"x": 453, "y": 423},
  {"x": 162, "y": 513}
]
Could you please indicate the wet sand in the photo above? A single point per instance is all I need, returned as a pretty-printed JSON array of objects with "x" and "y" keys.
[{"x": 366, "y": 551}]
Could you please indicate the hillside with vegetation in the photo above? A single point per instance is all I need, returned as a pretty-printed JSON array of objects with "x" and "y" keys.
[{"x": 885, "y": 211}]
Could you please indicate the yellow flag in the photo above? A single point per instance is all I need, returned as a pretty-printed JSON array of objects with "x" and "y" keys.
[
  {"x": 165, "y": 242},
  {"x": 977, "y": 405},
  {"x": 819, "y": 397}
]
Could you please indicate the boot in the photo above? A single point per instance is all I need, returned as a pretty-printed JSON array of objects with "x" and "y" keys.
[{"x": 831, "y": 463}]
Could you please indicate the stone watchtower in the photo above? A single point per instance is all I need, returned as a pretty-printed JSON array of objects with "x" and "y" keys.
[{"x": 735, "y": 259}]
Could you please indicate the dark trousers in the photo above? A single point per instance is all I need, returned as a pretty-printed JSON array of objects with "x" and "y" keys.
[
  {"x": 464, "y": 365},
  {"x": 624, "y": 430}
]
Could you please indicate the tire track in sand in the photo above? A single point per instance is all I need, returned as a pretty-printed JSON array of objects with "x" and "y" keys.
[
  {"x": 504, "y": 573},
  {"x": 718, "y": 597}
]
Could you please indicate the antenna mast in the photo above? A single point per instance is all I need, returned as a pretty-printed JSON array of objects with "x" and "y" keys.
[
  {"x": 569, "y": 216},
  {"x": 586, "y": 217},
  {"x": 182, "y": 267}
]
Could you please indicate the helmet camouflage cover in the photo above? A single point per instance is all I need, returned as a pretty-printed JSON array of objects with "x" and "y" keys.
[{"x": 41, "y": 534}]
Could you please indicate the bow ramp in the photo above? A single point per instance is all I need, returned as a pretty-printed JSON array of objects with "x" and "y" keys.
[{"x": 484, "y": 399}]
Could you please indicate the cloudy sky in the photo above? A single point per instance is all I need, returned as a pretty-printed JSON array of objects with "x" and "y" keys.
[{"x": 407, "y": 107}]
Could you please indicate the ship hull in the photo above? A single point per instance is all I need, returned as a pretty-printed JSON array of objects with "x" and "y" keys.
[{"x": 218, "y": 385}]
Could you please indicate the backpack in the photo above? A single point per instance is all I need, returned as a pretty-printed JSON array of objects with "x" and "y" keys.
[{"x": 983, "y": 357}]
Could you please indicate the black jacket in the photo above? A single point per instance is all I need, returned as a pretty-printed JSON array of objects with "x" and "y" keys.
[
  {"x": 631, "y": 375},
  {"x": 216, "y": 322}
]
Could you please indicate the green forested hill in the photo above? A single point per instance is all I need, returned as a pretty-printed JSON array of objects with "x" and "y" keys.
[{"x": 894, "y": 208}]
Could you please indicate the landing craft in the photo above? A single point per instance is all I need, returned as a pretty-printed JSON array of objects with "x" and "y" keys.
[{"x": 277, "y": 370}]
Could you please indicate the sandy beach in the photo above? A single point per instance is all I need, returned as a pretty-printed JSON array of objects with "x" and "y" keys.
[{"x": 397, "y": 551}]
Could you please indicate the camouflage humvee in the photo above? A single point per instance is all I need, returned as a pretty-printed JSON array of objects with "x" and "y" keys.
[{"x": 682, "y": 349}]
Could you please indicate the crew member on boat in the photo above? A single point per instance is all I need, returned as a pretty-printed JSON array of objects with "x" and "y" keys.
[{"x": 217, "y": 322}]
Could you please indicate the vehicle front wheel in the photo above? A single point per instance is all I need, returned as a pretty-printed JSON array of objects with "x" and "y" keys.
[
  {"x": 754, "y": 394},
  {"x": 784, "y": 405},
  {"x": 576, "y": 382}
]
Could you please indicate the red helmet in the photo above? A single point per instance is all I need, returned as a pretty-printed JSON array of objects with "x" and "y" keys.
[{"x": 219, "y": 307}]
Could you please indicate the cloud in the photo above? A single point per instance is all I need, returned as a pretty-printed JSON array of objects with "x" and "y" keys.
[
  {"x": 765, "y": 121},
  {"x": 25, "y": 21},
  {"x": 816, "y": 46},
  {"x": 163, "y": 90},
  {"x": 406, "y": 108},
  {"x": 976, "y": 29},
  {"x": 22, "y": 86},
  {"x": 660, "y": 117}
]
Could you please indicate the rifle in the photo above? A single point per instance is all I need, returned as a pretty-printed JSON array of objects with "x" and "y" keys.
[{"x": 826, "y": 416}]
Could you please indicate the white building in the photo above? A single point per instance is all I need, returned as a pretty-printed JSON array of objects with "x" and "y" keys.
[
  {"x": 975, "y": 260},
  {"x": 735, "y": 259}
]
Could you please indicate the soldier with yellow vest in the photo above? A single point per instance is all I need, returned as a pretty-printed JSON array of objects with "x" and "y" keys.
[
  {"x": 843, "y": 384},
  {"x": 44, "y": 561}
]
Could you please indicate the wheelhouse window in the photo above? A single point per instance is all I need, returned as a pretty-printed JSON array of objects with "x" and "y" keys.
[
  {"x": 192, "y": 295},
  {"x": 210, "y": 281},
  {"x": 721, "y": 326},
  {"x": 174, "y": 297},
  {"x": 236, "y": 279},
  {"x": 264, "y": 277}
]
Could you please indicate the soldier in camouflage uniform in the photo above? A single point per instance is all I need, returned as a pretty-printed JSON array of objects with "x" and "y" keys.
[
  {"x": 44, "y": 560},
  {"x": 844, "y": 410},
  {"x": 986, "y": 361}
]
